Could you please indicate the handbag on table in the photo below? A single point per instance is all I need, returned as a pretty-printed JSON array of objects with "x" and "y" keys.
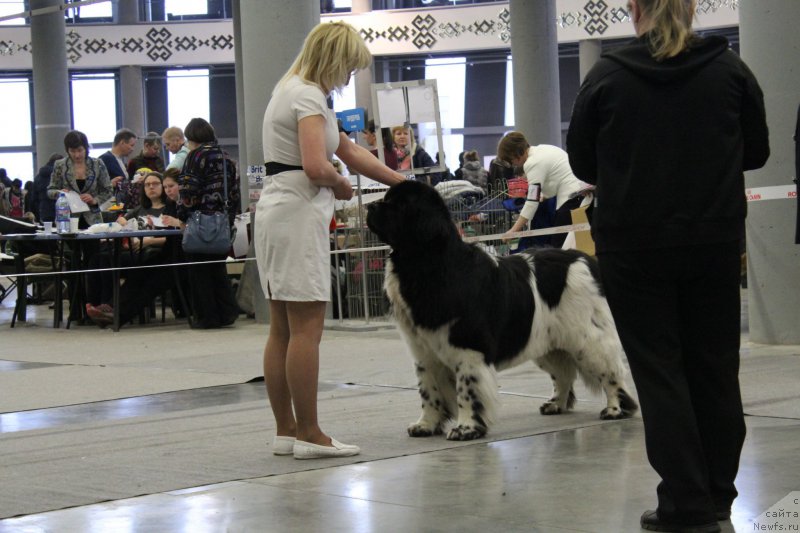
[{"x": 209, "y": 234}]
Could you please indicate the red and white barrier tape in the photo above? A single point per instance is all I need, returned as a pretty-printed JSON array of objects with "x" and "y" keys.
[{"x": 777, "y": 192}]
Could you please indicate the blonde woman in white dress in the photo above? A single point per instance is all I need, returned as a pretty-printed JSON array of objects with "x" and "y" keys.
[{"x": 300, "y": 136}]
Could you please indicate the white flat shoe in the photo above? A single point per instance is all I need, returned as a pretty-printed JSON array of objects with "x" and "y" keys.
[
  {"x": 308, "y": 450},
  {"x": 283, "y": 445}
]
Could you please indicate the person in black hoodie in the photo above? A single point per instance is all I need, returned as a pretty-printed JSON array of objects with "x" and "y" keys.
[{"x": 665, "y": 127}]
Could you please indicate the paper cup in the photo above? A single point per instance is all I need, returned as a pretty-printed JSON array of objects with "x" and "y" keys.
[
  {"x": 48, "y": 227},
  {"x": 73, "y": 225}
]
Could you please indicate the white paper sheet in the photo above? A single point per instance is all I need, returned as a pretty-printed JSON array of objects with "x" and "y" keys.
[
  {"x": 420, "y": 105},
  {"x": 392, "y": 107},
  {"x": 76, "y": 205}
]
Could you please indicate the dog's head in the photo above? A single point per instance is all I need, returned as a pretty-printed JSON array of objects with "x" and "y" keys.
[{"x": 411, "y": 216}]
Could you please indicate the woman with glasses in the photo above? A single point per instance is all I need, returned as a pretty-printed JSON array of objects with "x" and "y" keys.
[{"x": 145, "y": 251}]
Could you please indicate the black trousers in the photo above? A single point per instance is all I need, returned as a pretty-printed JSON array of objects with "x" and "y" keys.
[
  {"x": 678, "y": 316},
  {"x": 212, "y": 300}
]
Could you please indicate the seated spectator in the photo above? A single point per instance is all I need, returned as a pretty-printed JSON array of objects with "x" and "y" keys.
[
  {"x": 148, "y": 159},
  {"x": 27, "y": 197},
  {"x": 457, "y": 173},
  {"x": 15, "y": 199},
  {"x": 499, "y": 173},
  {"x": 148, "y": 251},
  {"x": 389, "y": 155},
  {"x": 472, "y": 170},
  {"x": 410, "y": 155},
  {"x": 173, "y": 190},
  {"x": 142, "y": 286}
]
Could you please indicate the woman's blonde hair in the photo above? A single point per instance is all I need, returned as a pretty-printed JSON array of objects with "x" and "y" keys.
[
  {"x": 672, "y": 31},
  {"x": 512, "y": 145},
  {"x": 330, "y": 54}
]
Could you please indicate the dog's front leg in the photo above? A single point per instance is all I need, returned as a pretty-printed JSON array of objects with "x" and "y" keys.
[
  {"x": 437, "y": 391},
  {"x": 476, "y": 393}
]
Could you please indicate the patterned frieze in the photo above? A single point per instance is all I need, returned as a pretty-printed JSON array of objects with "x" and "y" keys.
[{"x": 400, "y": 32}]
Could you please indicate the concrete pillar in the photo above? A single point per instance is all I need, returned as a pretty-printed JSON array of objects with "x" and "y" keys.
[
  {"x": 130, "y": 78},
  {"x": 51, "y": 103},
  {"x": 589, "y": 51},
  {"x": 770, "y": 45},
  {"x": 132, "y": 100},
  {"x": 280, "y": 27},
  {"x": 364, "y": 77},
  {"x": 534, "y": 51},
  {"x": 125, "y": 11}
]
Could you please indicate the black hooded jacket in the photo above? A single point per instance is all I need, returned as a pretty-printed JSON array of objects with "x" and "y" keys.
[{"x": 666, "y": 143}]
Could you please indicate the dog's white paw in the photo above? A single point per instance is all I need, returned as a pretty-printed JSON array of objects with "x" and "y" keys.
[
  {"x": 420, "y": 429},
  {"x": 550, "y": 408},
  {"x": 615, "y": 413},
  {"x": 462, "y": 432}
]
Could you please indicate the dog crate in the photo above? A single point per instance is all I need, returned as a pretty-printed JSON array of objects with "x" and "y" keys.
[
  {"x": 482, "y": 214},
  {"x": 360, "y": 274}
]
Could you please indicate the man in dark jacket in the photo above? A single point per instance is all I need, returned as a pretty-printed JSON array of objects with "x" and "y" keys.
[
  {"x": 665, "y": 127},
  {"x": 115, "y": 162},
  {"x": 41, "y": 205}
]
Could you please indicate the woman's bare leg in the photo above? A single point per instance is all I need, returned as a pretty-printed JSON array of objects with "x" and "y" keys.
[
  {"x": 306, "y": 320},
  {"x": 280, "y": 396}
]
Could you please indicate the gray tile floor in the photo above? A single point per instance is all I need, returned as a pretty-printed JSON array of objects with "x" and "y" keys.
[{"x": 589, "y": 479}]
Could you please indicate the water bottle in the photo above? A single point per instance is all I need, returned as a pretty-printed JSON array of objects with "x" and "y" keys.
[{"x": 62, "y": 214}]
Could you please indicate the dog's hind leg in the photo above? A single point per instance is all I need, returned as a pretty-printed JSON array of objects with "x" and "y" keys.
[
  {"x": 601, "y": 367},
  {"x": 437, "y": 391},
  {"x": 476, "y": 392},
  {"x": 563, "y": 373}
]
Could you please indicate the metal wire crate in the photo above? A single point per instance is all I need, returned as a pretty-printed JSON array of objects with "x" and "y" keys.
[{"x": 362, "y": 286}]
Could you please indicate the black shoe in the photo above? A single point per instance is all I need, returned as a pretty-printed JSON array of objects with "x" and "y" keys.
[{"x": 652, "y": 522}]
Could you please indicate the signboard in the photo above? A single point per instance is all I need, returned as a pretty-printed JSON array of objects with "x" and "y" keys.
[{"x": 352, "y": 119}]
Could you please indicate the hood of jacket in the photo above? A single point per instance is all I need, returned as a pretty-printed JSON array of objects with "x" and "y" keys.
[{"x": 637, "y": 58}]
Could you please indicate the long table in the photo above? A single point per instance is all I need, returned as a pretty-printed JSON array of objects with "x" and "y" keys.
[{"x": 115, "y": 238}]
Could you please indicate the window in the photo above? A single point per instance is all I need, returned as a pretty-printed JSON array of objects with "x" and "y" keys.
[
  {"x": 100, "y": 10},
  {"x": 509, "y": 114},
  {"x": 180, "y": 8},
  {"x": 187, "y": 96},
  {"x": 94, "y": 106},
  {"x": 16, "y": 151},
  {"x": 347, "y": 100},
  {"x": 18, "y": 114},
  {"x": 11, "y": 7},
  {"x": 450, "y": 74}
]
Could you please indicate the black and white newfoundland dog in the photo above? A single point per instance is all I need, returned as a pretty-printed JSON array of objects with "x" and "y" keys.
[{"x": 462, "y": 311}]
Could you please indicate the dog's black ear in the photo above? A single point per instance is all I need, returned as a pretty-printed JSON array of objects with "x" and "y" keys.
[{"x": 426, "y": 220}]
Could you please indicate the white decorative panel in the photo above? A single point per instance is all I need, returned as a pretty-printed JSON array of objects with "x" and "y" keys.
[{"x": 401, "y": 32}]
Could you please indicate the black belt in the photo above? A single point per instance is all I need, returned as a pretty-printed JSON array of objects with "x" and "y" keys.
[{"x": 276, "y": 168}]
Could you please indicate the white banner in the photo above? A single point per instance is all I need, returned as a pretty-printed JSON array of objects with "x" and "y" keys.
[{"x": 777, "y": 192}]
